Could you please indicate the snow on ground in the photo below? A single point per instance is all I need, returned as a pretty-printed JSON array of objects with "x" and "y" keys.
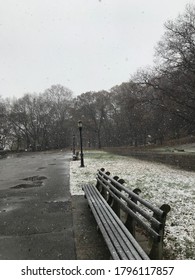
[{"x": 159, "y": 184}]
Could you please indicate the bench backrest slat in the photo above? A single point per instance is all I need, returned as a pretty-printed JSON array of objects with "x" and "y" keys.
[
  {"x": 156, "y": 210},
  {"x": 129, "y": 202},
  {"x": 152, "y": 232}
]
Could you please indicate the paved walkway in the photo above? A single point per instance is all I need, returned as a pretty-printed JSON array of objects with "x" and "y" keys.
[
  {"x": 39, "y": 220},
  {"x": 35, "y": 207}
]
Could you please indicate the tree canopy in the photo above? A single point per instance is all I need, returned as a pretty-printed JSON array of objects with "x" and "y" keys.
[{"x": 154, "y": 105}]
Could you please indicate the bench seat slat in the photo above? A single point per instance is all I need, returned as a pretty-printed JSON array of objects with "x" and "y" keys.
[
  {"x": 122, "y": 236},
  {"x": 106, "y": 231},
  {"x": 101, "y": 227},
  {"x": 112, "y": 227},
  {"x": 132, "y": 243}
]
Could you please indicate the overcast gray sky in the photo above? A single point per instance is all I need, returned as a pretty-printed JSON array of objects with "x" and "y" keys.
[{"x": 85, "y": 45}]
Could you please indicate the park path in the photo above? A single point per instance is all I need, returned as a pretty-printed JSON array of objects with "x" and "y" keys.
[{"x": 35, "y": 207}]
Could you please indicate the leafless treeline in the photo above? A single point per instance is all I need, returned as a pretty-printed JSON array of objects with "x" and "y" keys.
[{"x": 156, "y": 104}]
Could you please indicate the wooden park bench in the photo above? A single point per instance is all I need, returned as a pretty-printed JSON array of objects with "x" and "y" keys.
[
  {"x": 123, "y": 217},
  {"x": 75, "y": 156}
]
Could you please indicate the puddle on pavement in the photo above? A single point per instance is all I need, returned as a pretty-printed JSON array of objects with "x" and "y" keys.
[
  {"x": 15, "y": 199},
  {"x": 36, "y": 181},
  {"x": 40, "y": 168},
  {"x": 59, "y": 199},
  {"x": 35, "y": 178},
  {"x": 23, "y": 186},
  {"x": 8, "y": 209}
]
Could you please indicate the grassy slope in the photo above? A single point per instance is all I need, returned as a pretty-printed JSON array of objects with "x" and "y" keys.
[{"x": 159, "y": 184}]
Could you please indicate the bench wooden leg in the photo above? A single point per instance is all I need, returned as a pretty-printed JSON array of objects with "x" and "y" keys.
[
  {"x": 130, "y": 222},
  {"x": 156, "y": 252},
  {"x": 115, "y": 205}
]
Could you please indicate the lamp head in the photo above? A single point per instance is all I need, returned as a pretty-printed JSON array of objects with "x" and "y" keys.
[{"x": 80, "y": 124}]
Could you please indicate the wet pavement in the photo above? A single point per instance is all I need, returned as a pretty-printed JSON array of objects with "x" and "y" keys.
[
  {"x": 39, "y": 220},
  {"x": 35, "y": 207}
]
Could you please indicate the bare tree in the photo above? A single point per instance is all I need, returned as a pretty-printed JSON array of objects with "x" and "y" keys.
[{"x": 92, "y": 108}]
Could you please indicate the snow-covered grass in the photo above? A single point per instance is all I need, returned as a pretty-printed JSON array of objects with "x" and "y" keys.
[{"x": 159, "y": 184}]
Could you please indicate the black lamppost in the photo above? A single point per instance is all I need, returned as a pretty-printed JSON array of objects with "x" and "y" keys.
[
  {"x": 73, "y": 144},
  {"x": 80, "y": 125}
]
